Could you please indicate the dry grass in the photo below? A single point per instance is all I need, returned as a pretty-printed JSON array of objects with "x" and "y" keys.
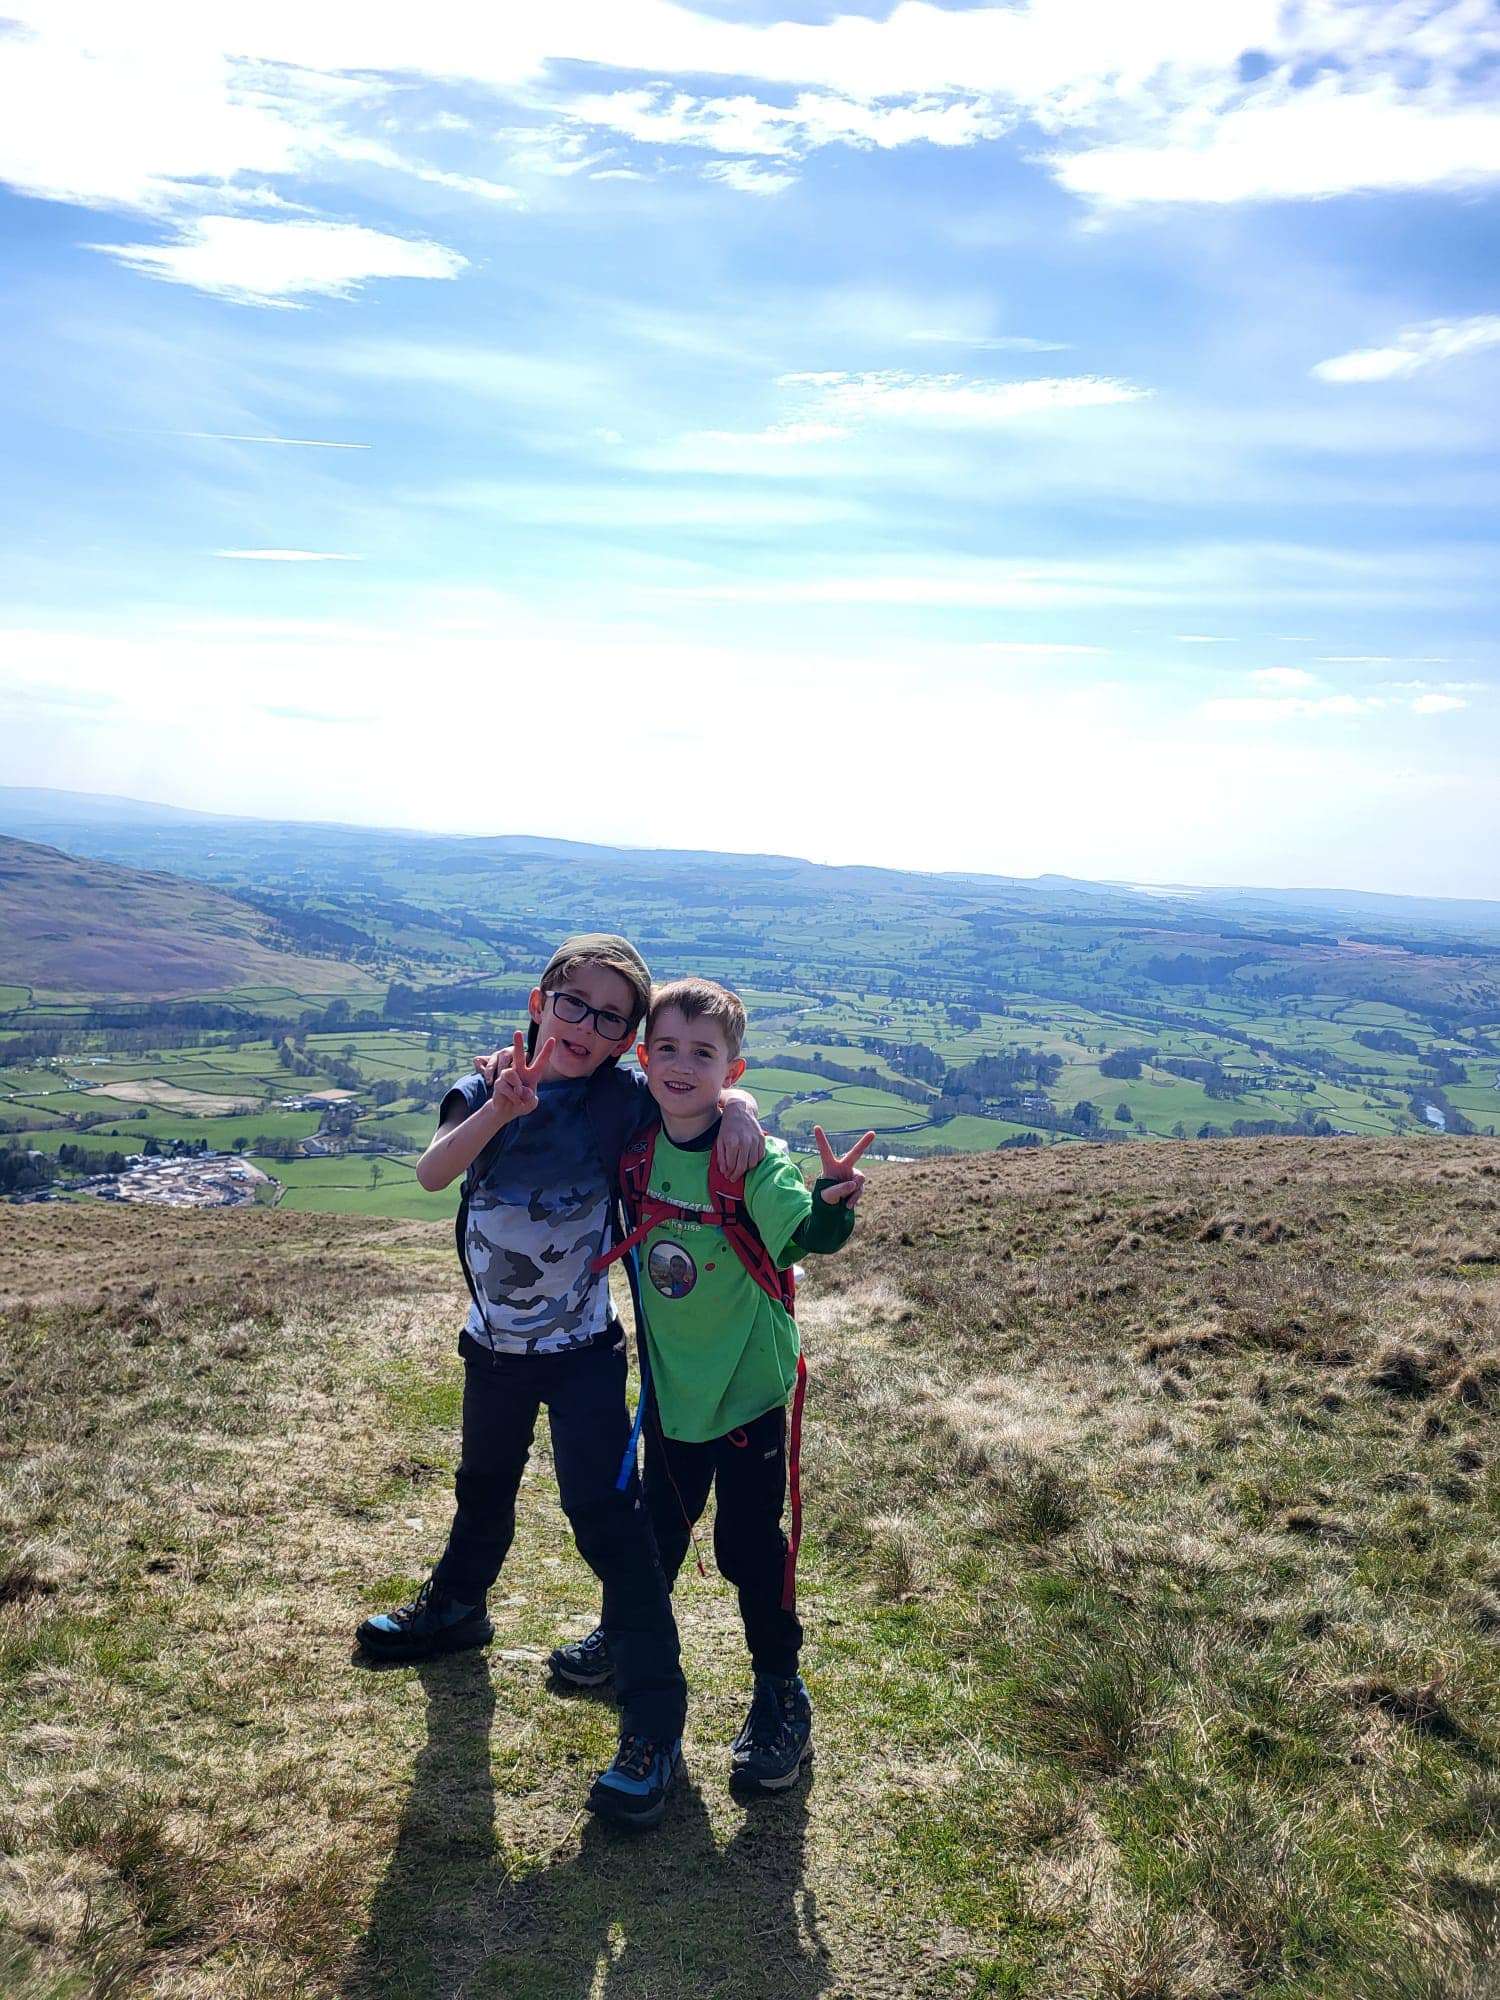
[{"x": 1151, "y": 1583}]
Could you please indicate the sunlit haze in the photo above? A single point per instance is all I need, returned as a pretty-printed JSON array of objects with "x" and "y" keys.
[{"x": 1050, "y": 436}]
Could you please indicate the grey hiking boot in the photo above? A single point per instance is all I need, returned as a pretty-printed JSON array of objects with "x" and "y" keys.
[
  {"x": 585, "y": 1663},
  {"x": 776, "y": 1740}
]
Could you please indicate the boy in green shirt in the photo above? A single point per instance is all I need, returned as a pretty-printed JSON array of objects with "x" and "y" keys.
[{"x": 723, "y": 1353}]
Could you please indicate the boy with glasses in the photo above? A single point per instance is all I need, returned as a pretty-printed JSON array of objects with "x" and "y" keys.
[{"x": 540, "y": 1154}]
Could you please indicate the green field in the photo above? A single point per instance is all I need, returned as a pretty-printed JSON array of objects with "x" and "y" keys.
[{"x": 402, "y": 1201}]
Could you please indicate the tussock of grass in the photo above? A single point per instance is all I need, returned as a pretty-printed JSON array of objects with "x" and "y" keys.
[{"x": 1150, "y": 1583}]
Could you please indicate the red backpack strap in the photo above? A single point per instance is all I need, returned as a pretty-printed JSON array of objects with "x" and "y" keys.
[
  {"x": 635, "y": 1172},
  {"x": 635, "y": 1179},
  {"x": 794, "y": 1482},
  {"x": 732, "y": 1213}
]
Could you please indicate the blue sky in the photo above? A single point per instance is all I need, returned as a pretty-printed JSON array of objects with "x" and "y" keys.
[{"x": 1044, "y": 436}]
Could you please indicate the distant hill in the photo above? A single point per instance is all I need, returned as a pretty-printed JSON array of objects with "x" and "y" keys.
[
  {"x": 380, "y": 860},
  {"x": 89, "y": 928}
]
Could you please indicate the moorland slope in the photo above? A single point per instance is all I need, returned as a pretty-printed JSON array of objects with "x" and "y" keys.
[
  {"x": 74, "y": 928},
  {"x": 1151, "y": 1585}
]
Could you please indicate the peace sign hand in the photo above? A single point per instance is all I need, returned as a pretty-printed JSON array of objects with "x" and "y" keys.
[
  {"x": 848, "y": 1181},
  {"x": 515, "y": 1087}
]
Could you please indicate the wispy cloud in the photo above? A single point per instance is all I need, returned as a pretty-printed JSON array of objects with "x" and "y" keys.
[
  {"x": 750, "y": 126},
  {"x": 750, "y": 178},
  {"x": 773, "y": 437},
  {"x": 277, "y": 263},
  {"x": 1202, "y": 639},
  {"x": 239, "y": 437},
  {"x": 284, "y": 555},
  {"x": 1283, "y": 677},
  {"x": 1019, "y": 342},
  {"x": 1315, "y": 708},
  {"x": 1414, "y": 349},
  {"x": 1270, "y": 708},
  {"x": 1033, "y": 646},
  {"x": 894, "y": 394},
  {"x": 290, "y": 712},
  {"x": 1435, "y": 687},
  {"x": 1437, "y": 704}
]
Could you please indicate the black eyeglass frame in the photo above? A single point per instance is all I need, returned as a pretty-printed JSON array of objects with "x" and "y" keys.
[{"x": 584, "y": 1012}]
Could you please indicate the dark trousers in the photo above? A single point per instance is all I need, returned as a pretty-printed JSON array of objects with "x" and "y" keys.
[
  {"x": 749, "y": 1466},
  {"x": 585, "y": 1396}
]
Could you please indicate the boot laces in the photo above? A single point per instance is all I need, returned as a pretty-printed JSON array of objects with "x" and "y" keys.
[
  {"x": 770, "y": 1712},
  {"x": 409, "y": 1613},
  {"x": 636, "y": 1756}
]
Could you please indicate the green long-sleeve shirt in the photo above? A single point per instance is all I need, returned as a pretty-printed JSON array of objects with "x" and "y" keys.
[{"x": 723, "y": 1352}]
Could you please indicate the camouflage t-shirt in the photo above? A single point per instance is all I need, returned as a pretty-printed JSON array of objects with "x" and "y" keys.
[{"x": 536, "y": 1222}]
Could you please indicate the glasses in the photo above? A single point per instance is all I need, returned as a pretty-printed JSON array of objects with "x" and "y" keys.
[{"x": 568, "y": 1007}]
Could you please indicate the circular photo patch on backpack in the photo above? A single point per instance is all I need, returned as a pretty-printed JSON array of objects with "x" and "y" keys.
[{"x": 671, "y": 1270}]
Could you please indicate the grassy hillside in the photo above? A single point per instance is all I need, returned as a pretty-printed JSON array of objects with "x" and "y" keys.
[
  {"x": 70, "y": 928},
  {"x": 1151, "y": 1586}
]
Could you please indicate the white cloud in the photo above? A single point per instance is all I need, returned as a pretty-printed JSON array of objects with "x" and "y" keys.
[
  {"x": 1288, "y": 708},
  {"x": 1295, "y": 143},
  {"x": 147, "y": 109},
  {"x": 747, "y": 178},
  {"x": 1415, "y": 348},
  {"x": 1283, "y": 677},
  {"x": 891, "y": 393},
  {"x": 747, "y": 125},
  {"x": 272, "y": 263},
  {"x": 1201, "y": 639},
  {"x": 283, "y": 555}
]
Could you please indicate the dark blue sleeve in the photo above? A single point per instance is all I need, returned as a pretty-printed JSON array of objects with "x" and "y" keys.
[
  {"x": 644, "y": 1108},
  {"x": 469, "y": 1092}
]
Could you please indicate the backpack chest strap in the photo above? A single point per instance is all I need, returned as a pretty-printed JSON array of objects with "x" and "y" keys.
[{"x": 653, "y": 1212}]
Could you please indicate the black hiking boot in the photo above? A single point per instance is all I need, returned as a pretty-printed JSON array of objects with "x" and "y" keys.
[
  {"x": 585, "y": 1663},
  {"x": 434, "y": 1622},
  {"x": 633, "y": 1791},
  {"x": 776, "y": 1741}
]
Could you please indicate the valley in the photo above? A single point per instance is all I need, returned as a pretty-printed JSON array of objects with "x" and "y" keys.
[{"x": 951, "y": 1015}]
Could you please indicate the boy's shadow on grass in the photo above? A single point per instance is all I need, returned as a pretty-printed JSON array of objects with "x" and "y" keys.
[{"x": 651, "y": 1916}]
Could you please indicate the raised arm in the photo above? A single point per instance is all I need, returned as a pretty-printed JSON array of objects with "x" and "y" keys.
[
  {"x": 461, "y": 1138},
  {"x": 841, "y": 1181}
]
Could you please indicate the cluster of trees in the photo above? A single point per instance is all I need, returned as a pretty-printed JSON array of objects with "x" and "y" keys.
[
  {"x": 1005, "y": 1075},
  {"x": 1386, "y": 1042},
  {"x": 1125, "y": 1063},
  {"x": 1306, "y": 1126},
  {"x": 1187, "y": 970},
  {"x": 23, "y": 1171}
]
